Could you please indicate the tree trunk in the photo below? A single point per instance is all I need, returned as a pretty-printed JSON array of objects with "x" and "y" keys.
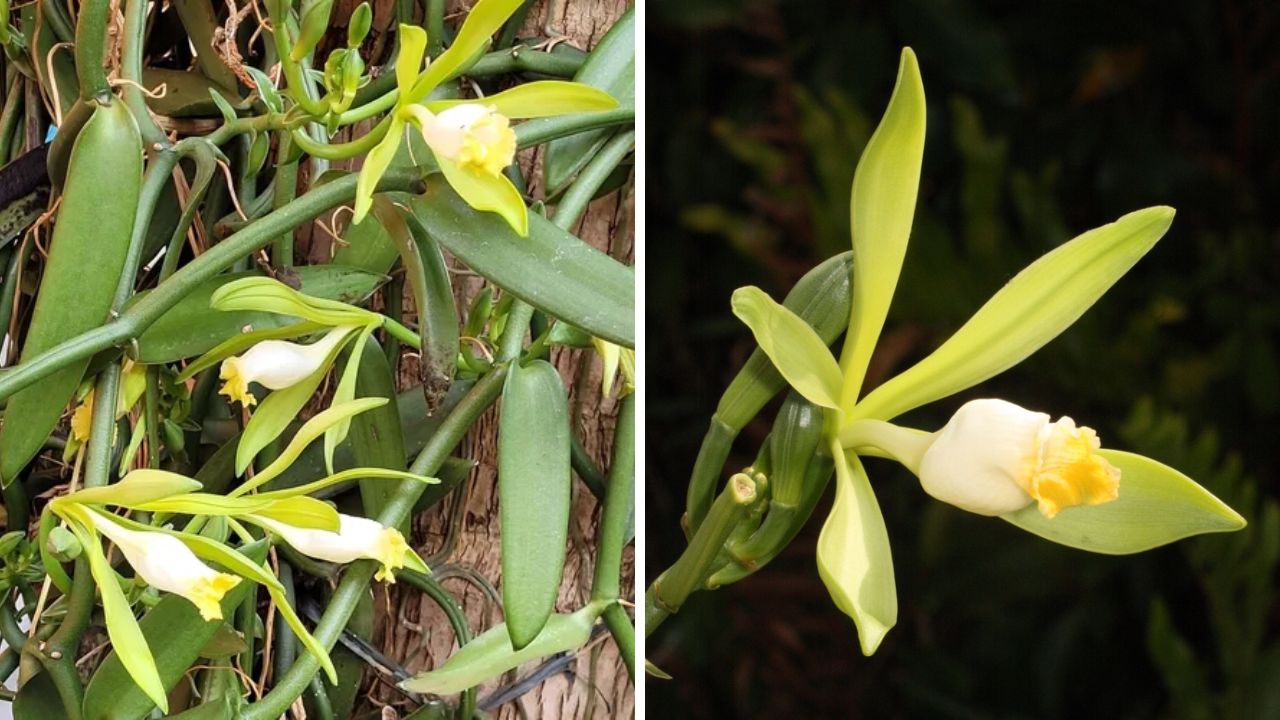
[{"x": 410, "y": 627}]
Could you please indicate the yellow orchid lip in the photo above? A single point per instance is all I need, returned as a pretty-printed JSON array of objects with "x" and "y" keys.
[{"x": 994, "y": 457}]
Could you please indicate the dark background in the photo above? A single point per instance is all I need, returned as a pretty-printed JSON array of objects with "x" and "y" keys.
[{"x": 1045, "y": 120}]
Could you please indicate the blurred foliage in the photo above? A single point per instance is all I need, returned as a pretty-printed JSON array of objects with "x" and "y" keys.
[{"x": 1046, "y": 119}]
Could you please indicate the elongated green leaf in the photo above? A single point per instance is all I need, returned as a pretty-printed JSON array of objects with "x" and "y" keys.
[
  {"x": 127, "y": 641},
  {"x": 310, "y": 430},
  {"x": 534, "y": 482},
  {"x": 1157, "y": 505},
  {"x": 491, "y": 654},
  {"x": 541, "y": 98},
  {"x": 793, "y": 346},
  {"x": 139, "y": 486},
  {"x": 883, "y": 206},
  {"x": 854, "y": 560},
  {"x": 488, "y": 193},
  {"x": 176, "y": 634},
  {"x": 192, "y": 326},
  {"x": 1032, "y": 309},
  {"x": 611, "y": 66},
  {"x": 550, "y": 269},
  {"x": 483, "y": 21}
]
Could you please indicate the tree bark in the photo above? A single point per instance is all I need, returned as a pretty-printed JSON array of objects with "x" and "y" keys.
[{"x": 410, "y": 627}]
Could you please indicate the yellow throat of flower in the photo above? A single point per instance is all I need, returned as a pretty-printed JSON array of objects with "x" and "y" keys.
[
  {"x": 1070, "y": 471},
  {"x": 390, "y": 551},
  {"x": 236, "y": 386},
  {"x": 207, "y": 594},
  {"x": 489, "y": 145}
]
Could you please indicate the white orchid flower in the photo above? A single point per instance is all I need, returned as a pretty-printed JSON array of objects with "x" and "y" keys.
[
  {"x": 357, "y": 538},
  {"x": 994, "y": 457},
  {"x": 472, "y": 135},
  {"x": 276, "y": 364},
  {"x": 169, "y": 565}
]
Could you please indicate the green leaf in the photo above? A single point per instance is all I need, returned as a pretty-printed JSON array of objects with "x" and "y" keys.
[
  {"x": 139, "y": 486},
  {"x": 377, "y": 439},
  {"x": 854, "y": 560},
  {"x": 483, "y": 21},
  {"x": 611, "y": 66},
  {"x": 1157, "y": 505},
  {"x": 793, "y": 346},
  {"x": 541, "y": 98},
  {"x": 1032, "y": 309},
  {"x": 490, "y": 193},
  {"x": 360, "y": 473},
  {"x": 375, "y": 164},
  {"x": 310, "y": 430},
  {"x": 534, "y": 484},
  {"x": 127, "y": 640},
  {"x": 883, "y": 206},
  {"x": 192, "y": 326},
  {"x": 491, "y": 654},
  {"x": 550, "y": 269}
]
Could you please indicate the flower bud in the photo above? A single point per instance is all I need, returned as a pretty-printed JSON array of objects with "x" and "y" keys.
[
  {"x": 357, "y": 538},
  {"x": 275, "y": 364},
  {"x": 994, "y": 457},
  {"x": 169, "y": 565}
]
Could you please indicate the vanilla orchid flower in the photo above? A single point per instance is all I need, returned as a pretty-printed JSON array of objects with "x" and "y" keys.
[
  {"x": 994, "y": 457},
  {"x": 357, "y": 538},
  {"x": 276, "y": 364},
  {"x": 167, "y": 564},
  {"x": 474, "y": 136}
]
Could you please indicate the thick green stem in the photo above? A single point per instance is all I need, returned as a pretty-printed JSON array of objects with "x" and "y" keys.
[
  {"x": 131, "y": 51},
  {"x": 148, "y": 309},
  {"x": 542, "y": 130},
  {"x": 158, "y": 174},
  {"x": 619, "y": 503},
  {"x": 58, "y": 655},
  {"x": 11, "y": 114},
  {"x": 97, "y": 461},
  {"x": 513, "y": 331},
  {"x": 283, "y": 192},
  {"x": 575, "y": 200},
  {"x": 586, "y": 469},
  {"x": 91, "y": 50},
  {"x": 624, "y": 634},
  {"x": 356, "y": 580}
]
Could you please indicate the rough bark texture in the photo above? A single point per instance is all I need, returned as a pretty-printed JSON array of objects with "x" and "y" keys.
[{"x": 409, "y": 626}]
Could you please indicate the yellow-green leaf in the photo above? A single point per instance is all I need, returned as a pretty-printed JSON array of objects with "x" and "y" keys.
[
  {"x": 882, "y": 207},
  {"x": 310, "y": 430},
  {"x": 793, "y": 346},
  {"x": 490, "y": 193},
  {"x": 1157, "y": 505},
  {"x": 854, "y": 560},
  {"x": 1032, "y": 309},
  {"x": 541, "y": 98}
]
